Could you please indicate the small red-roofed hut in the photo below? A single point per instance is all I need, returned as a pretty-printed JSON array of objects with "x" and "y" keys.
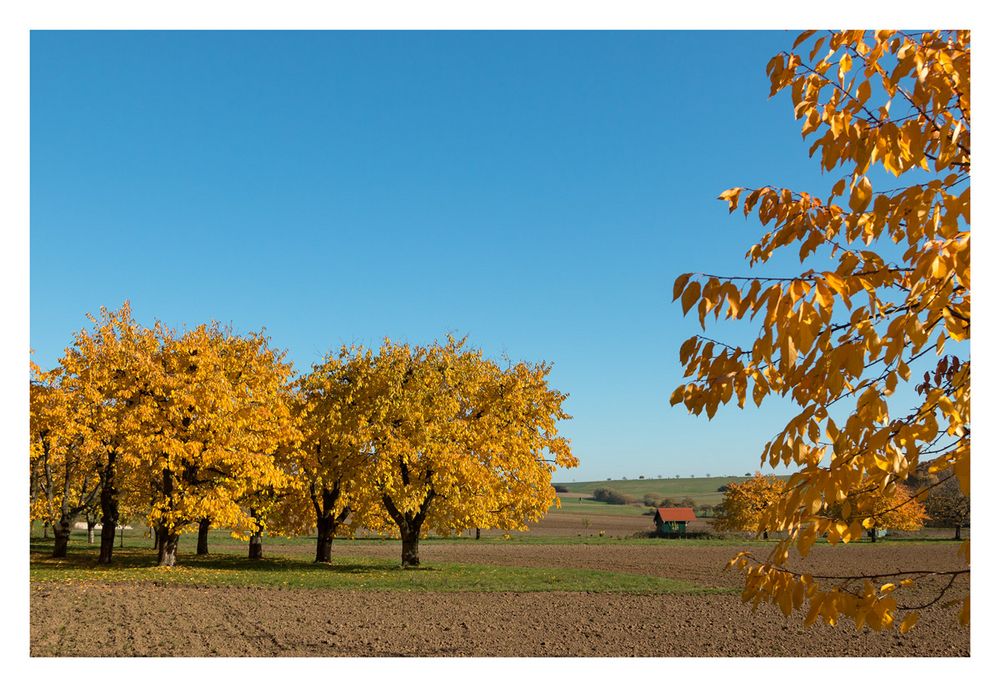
[{"x": 671, "y": 522}]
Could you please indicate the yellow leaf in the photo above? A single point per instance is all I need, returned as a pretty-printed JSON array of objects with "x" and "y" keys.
[
  {"x": 908, "y": 621},
  {"x": 861, "y": 195},
  {"x": 845, "y": 66},
  {"x": 691, "y": 294},
  {"x": 864, "y": 92},
  {"x": 732, "y": 196},
  {"x": 680, "y": 283},
  {"x": 802, "y": 36}
]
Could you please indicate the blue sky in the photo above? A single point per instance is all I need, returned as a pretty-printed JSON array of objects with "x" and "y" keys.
[{"x": 537, "y": 191}]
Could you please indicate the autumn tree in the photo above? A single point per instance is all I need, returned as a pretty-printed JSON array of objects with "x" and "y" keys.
[
  {"x": 220, "y": 415},
  {"x": 275, "y": 506},
  {"x": 888, "y": 113},
  {"x": 334, "y": 408},
  {"x": 745, "y": 502},
  {"x": 891, "y": 508},
  {"x": 108, "y": 372},
  {"x": 66, "y": 483},
  {"x": 459, "y": 442},
  {"x": 947, "y": 505}
]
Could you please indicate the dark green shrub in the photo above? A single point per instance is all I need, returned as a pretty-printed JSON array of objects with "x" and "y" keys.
[
  {"x": 611, "y": 496},
  {"x": 650, "y": 499}
]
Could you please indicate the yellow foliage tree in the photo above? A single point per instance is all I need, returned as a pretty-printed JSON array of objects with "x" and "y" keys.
[
  {"x": 745, "y": 502},
  {"x": 108, "y": 371},
  {"x": 271, "y": 504},
  {"x": 838, "y": 341},
  {"x": 334, "y": 408},
  {"x": 65, "y": 483},
  {"x": 220, "y": 417},
  {"x": 459, "y": 442},
  {"x": 891, "y": 508}
]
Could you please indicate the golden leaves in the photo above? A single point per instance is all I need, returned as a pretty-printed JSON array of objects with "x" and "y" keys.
[
  {"x": 732, "y": 196},
  {"x": 861, "y": 195},
  {"x": 691, "y": 294},
  {"x": 744, "y": 503},
  {"x": 433, "y": 433},
  {"x": 844, "y": 67},
  {"x": 844, "y": 339}
]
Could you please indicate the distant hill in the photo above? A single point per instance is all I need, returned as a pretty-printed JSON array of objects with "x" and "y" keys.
[{"x": 702, "y": 490}]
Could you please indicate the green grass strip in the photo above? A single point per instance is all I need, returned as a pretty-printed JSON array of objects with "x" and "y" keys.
[{"x": 131, "y": 566}]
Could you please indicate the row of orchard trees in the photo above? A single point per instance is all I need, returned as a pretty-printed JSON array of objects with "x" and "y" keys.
[
  {"x": 207, "y": 426},
  {"x": 907, "y": 506}
]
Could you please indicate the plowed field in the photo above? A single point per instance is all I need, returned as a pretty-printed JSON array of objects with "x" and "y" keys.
[{"x": 94, "y": 619}]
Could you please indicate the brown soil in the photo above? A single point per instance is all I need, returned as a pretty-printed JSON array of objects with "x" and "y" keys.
[
  {"x": 148, "y": 620},
  {"x": 562, "y": 524},
  {"x": 703, "y": 563}
]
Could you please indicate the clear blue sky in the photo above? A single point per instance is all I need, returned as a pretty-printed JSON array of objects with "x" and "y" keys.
[{"x": 539, "y": 192}]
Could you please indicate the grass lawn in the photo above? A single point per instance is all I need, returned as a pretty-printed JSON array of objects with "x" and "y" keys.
[{"x": 347, "y": 572}]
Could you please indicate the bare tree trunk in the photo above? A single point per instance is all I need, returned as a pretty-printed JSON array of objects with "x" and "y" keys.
[
  {"x": 409, "y": 528},
  {"x": 156, "y": 538},
  {"x": 958, "y": 533},
  {"x": 411, "y": 546},
  {"x": 324, "y": 538},
  {"x": 109, "y": 511},
  {"x": 873, "y": 533},
  {"x": 327, "y": 522},
  {"x": 202, "y": 537},
  {"x": 45, "y": 530},
  {"x": 477, "y": 533},
  {"x": 90, "y": 529},
  {"x": 168, "y": 547},
  {"x": 61, "y": 530},
  {"x": 256, "y": 547},
  {"x": 324, "y": 541}
]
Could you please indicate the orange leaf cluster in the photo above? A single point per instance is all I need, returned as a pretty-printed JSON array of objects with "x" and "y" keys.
[{"x": 838, "y": 342}]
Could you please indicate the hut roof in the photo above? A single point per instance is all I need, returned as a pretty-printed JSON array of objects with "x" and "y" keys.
[{"x": 676, "y": 514}]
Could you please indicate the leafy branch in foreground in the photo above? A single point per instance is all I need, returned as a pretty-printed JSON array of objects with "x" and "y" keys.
[{"x": 838, "y": 342}]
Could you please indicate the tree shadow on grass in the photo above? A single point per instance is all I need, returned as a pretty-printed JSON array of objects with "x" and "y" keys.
[{"x": 145, "y": 559}]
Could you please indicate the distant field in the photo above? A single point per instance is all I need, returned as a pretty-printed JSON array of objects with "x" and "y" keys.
[
  {"x": 702, "y": 490},
  {"x": 588, "y": 506}
]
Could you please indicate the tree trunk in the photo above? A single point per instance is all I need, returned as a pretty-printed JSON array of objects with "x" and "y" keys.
[
  {"x": 256, "y": 538},
  {"x": 765, "y": 534},
  {"x": 156, "y": 538},
  {"x": 958, "y": 533},
  {"x": 256, "y": 547},
  {"x": 409, "y": 527},
  {"x": 873, "y": 533},
  {"x": 477, "y": 533},
  {"x": 411, "y": 546},
  {"x": 168, "y": 548},
  {"x": 109, "y": 522},
  {"x": 109, "y": 511},
  {"x": 45, "y": 530},
  {"x": 90, "y": 530},
  {"x": 327, "y": 522},
  {"x": 60, "y": 529},
  {"x": 203, "y": 537},
  {"x": 324, "y": 539}
]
